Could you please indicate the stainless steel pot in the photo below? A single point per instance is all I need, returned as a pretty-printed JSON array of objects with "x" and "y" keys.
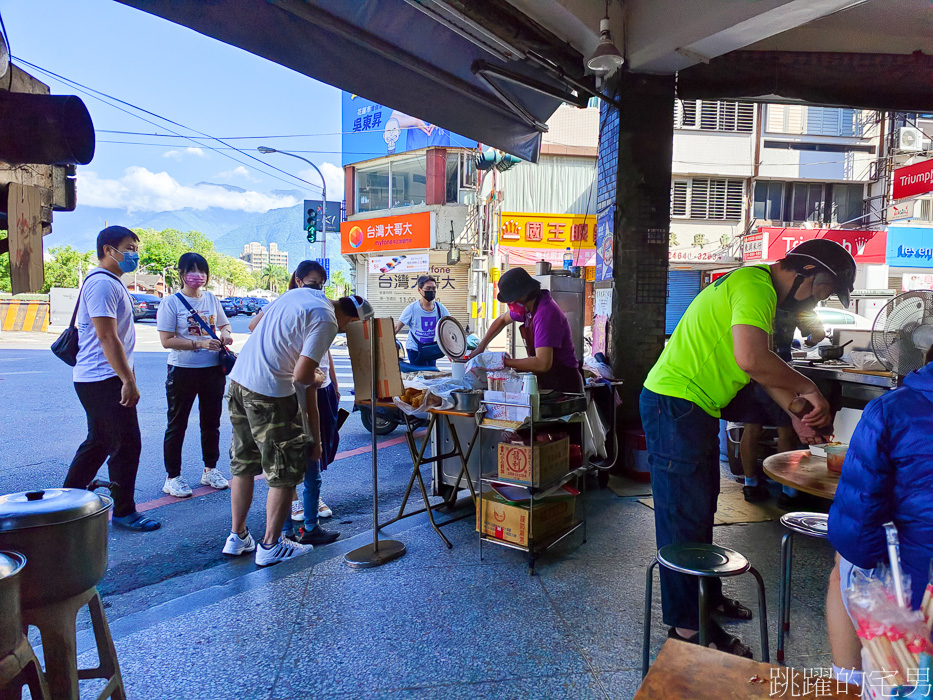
[
  {"x": 832, "y": 352},
  {"x": 466, "y": 401},
  {"x": 11, "y": 621},
  {"x": 63, "y": 534},
  {"x": 542, "y": 267}
]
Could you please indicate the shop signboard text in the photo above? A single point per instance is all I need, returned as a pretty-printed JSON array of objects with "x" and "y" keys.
[
  {"x": 865, "y": 246},
  {"x": 388, "y": 234},
  {"x": 528, "y": 238}
]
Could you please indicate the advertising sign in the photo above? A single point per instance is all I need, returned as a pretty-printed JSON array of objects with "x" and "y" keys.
[
  {"x": 605, "y": 231},
  {"x": 602, "y": 302},
  {"x": 902, "y": 211},
  {"x": 528, "y": 238},
  {"x": 910, "y": 247},
  {"x": 381, "y": 264},
  {"x": 371, "y": 130},
  {"x": 865, "y": 246},
  {"x": 388, "y": 233},
  {"x": 913, "y": 179},
  {"x": 912, "y": 282},
  {"x": 753, "y": 246},
  {"x": 702, "y": 246}
]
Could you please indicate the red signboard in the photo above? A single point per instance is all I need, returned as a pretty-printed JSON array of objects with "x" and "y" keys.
[
  {"x": 388, "y": 234},
  {"x": 865, "y": 246},
  {"x": 913, "y": 179}
]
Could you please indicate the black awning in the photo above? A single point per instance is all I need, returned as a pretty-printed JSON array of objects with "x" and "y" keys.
[{"x": 391, "y": 52}]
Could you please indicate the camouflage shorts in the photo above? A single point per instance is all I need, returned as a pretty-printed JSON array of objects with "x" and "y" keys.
[{"x": 268, "y": 437}]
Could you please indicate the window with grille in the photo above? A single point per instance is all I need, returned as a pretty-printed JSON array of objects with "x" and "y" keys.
[
  {"x": 814, "y": 121},
  {"x": 707, "y": 198},
  {"x": 708, "y": 115},
  {"x": 926, "y": 210}
]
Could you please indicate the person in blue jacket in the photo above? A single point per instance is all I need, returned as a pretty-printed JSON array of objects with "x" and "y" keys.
[{"x": 887, "y": 476}]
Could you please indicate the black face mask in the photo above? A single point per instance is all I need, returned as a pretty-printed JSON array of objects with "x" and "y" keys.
[
  {"x": 794, "y": 306},
  {"x": 429, "y": 294},
  {"x": 314, "y": 285}
]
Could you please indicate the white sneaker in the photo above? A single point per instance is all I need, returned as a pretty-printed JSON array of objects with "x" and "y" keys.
[
  {"x": 298, "y": 510},
  {"x": 177, "y": 487},
  {"x": 236, "y": 545},
  {"x": 280, "y": 551},
  {"x": 323, "y": 510},
  {"x": 214, "y": 479}
]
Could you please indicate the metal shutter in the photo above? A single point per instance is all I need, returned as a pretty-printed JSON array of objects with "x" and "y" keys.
[{"x": 682, "y": 287}]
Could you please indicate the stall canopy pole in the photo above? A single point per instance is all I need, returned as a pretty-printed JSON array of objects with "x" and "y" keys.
[{"x": 378, "y": 553}]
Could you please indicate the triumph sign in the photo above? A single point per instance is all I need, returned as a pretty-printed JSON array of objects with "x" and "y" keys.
[{"x": 912, "y": 180}]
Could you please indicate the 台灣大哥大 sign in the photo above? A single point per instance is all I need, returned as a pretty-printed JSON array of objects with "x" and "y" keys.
[{"x": 388, "y": 234}]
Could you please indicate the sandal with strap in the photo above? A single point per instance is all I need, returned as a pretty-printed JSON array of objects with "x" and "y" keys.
[
  {"x": 138, "y": 522},
  {"x": 733, "y": 609},
  {"x": 718, "y": 636}
]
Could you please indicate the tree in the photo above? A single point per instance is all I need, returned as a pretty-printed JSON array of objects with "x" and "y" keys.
[
  {"x": 338, "y": 286},
  {"x": 274, "y": 278},
  {"x": 5, "y": 283},
  {"x": 64, "y": 266}
]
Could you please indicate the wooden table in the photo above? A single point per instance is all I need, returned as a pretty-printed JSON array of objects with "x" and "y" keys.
[
  {"x": 803, "y": 471},
  {"x": 685, "y": 671}
]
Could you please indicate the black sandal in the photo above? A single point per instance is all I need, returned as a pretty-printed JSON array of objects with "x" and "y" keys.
[
  {"x": 718, "y": 636},
  {"x": 732, "y": 609}
]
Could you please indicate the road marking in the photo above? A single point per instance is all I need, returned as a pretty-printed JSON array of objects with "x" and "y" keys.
[{"x": 32, "y": 371}]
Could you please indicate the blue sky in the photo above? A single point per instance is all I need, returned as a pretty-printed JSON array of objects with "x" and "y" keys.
[{"x": 191, "y": 79}]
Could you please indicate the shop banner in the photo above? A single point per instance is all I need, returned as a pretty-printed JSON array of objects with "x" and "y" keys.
[
  {"x": 605, "y": 232},
  {"x": 380, "y": 264},
  {"x": 698, "y": 246},
  {"x": 528, "y": 238},
  {"x": 865, "y": 246},
  {"x": 902, "y": 211},
  {"x": 912, "y": 180},
  {"x": 371, "y": 130},
  {"x": 388, "y": 234},
  {"x": 910, "y": 247},
  {"x": 912, "y": 282},
  {"x": 753, "y": 246}
]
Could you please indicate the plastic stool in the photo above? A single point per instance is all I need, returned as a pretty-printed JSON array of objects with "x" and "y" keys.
[
  {"x": 811, "y": 525},
  {"x": 21, "y": 667},
  {"x": 57, "y": 625},
  {"x": 703, "y": 561}
]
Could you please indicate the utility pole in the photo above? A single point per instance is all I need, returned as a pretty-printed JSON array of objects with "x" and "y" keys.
[{"x": 266, "y": 149}]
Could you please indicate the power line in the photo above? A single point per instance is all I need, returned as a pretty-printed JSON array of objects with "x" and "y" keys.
[{"x": 98, "y": 95}]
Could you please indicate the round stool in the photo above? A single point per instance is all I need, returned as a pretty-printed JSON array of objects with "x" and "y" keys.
[
  {"x": 704, "y": 561},
  {"x": 21, "y": 667},
  {"x": 811, "y": 525}
]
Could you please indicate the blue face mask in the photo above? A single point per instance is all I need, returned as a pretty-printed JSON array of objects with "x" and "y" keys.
[{"x": 130, "y": 261}]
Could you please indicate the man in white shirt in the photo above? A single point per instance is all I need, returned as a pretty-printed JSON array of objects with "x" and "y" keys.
[
  {"x": 268, "y": 433},
  {"x": 104, "y": 379},
  {"x": 421, "y": 317}
]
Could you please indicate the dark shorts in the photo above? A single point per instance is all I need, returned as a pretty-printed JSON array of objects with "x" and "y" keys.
[{"x": 753, "y": 405}]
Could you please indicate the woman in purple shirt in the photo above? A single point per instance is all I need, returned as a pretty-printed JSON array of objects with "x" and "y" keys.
[{"x": 545, "y": 331}]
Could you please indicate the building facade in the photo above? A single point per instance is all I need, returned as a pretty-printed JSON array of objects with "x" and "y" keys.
[{"x": 256, "y": 256}]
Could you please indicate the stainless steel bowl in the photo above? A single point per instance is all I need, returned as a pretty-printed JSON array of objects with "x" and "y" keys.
[{"x": 467, "y": 401}]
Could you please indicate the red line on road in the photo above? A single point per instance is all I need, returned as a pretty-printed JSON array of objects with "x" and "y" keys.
[{"x": 205, "y": 490}]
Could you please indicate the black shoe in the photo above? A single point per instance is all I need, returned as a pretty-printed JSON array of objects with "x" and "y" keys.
[
  {"x": 317, "y": 536},
  {"x": 785, "y": 502},
  {"x": 757, "y": 493}
]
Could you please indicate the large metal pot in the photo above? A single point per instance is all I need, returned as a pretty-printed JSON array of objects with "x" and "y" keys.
[
  {"x": 11, "y": 622},
  {"x": 63, "y": 534}
]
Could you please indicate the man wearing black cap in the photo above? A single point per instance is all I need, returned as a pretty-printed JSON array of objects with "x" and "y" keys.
[
  {"x": 545, "y": 330},
  {"x": 722, "y": 341}
]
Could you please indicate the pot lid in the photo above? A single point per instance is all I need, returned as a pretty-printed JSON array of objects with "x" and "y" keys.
[
  {"x": 48, "y": 507},
  {"x": 10, "y": 563},
  {"x": 451, "y": 338}
]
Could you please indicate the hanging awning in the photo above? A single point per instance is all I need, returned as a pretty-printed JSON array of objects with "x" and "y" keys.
[{"x": 421, "y": 57}]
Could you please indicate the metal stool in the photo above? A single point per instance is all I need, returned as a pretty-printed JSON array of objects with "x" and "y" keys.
[
  {"x": 811, "y": 525},
  {"x": 703, "y": 561}
]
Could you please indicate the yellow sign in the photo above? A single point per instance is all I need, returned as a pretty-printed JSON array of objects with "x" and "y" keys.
[
  {"x": 590, "y": 274},
  {"x": 494, "y": 274},
  {"x": 548, "y": 231}
]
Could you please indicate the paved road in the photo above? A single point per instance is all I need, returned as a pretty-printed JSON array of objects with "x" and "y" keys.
[{"x": 43, "y": 423}]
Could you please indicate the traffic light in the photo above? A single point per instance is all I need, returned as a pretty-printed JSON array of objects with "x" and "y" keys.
[{"x": 311, "y": 224}]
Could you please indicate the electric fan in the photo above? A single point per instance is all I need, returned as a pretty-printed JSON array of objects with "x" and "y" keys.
[{"x": 903, "y": 332}]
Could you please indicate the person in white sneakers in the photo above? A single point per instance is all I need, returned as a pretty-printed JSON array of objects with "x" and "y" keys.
[
  {"x": 193, "y": 372},
  {"x": 268, "y": 433}
]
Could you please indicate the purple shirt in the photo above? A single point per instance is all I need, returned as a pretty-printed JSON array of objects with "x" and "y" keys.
[{"x": 550, "y": 329}]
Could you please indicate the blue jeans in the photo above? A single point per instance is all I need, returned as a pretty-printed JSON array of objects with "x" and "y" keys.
[
  {"x": 683, "y": 456},
  {"x": 309, "y": 498}
]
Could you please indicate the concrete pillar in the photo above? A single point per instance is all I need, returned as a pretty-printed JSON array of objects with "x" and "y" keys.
[{"x": 642, "y": 225}]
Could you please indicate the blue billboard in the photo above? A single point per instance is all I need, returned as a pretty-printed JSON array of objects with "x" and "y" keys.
[
  {"x": 910, "y": 247},
  {"x": 370, "y": 130}
]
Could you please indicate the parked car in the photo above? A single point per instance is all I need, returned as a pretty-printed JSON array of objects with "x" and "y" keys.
[
  {"x": 260, "y": 302},
  {"x": 230, "y": 307},
  {"x": 835, "y": 319},
  {"x": 245, "y": 305},
  {"x": 144, "y": 305}
]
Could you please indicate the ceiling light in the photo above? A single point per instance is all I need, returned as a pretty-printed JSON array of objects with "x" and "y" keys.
[{"x": 606, "y": 58}]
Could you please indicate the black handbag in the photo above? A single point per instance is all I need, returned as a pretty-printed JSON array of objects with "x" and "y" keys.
[
  {"x": 65, "y": 347},
  {"x": 227, "y": 358}
]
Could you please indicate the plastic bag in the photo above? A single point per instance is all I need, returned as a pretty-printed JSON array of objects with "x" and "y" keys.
[{"x": 476, "y": 369}]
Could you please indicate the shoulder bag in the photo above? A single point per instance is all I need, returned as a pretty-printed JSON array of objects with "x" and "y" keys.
[
  {"x": 65, "y": 347},
  {"x": 227, "y": 358}
]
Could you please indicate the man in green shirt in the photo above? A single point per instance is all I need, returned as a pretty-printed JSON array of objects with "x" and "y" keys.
[{"x": 723, "y": 341}]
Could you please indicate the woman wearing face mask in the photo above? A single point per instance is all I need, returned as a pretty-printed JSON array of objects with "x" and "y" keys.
[
  {"x": 193, "y": 372},
  {"x": 421, "y": 317},
  {"x": 545, "y": 330},
  {"x": 310, "y": 276}
]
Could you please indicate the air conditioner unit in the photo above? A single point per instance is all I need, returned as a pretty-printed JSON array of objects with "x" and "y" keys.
[{"x": 909, "y": 139}]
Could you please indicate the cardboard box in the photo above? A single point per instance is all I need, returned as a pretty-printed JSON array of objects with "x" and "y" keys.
[
  {"x": 519, "y": 524},
  {"x": 388, "y": 375},
  {"x": 526, "y": 408},
  {"x": 551, "y": 462}
]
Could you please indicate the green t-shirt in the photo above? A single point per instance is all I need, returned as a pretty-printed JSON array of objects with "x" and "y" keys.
[{"x": 698, "y": 363}]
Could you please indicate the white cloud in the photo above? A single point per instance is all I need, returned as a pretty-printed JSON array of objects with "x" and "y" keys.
[
  {"x": 238, "y": 171},
  {"x": 142, "y": 190},
  {"x": 333, "y": 175},
  {"x": 190, "y": 151}
]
